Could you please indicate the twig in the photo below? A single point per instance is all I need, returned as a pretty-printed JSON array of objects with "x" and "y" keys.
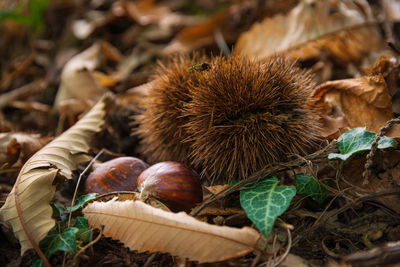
[
  {"x": 76, "y": 192},
  {"x": 281, "y": 258},
  {"x": 328, "y": 251},
  {"x": 20, "y": 69},
  {"x": 289, "y": 245},
  {"x": 91, "y": 243},
  {"x": 7, "y": 98},
  {"x": 268, "y": 170},
  {"x": 387, "y": 192},
  {"x": 367, "y": 174},
  {"x": 256, "y": 259},
  {"x": 150, "y": 259},
  {"x": 394, "y": 47},
  {"x": 78, "y": 182}
]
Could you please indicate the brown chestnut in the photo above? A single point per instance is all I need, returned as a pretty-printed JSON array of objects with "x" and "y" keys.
[
  {"x": 173, "y": 183},
  {"x": 118, "y": 174}
]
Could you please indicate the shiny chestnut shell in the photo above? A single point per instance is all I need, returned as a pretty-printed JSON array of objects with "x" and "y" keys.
[
  {"x": 118, "y": 174},
  {"x": 173, "y": 183}
]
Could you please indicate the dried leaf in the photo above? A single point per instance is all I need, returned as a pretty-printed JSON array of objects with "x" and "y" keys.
[
  {"x": 146, "y": 12},
  {"x": 387, "y": 169},
  {"x": 392, "y": 9},
  {"x": 27, "y": 209},
  {"x": 350, "y": 103},
  {"x": 144, "y": 228},
  {"x": 77, "y": 79},
  {"x": 215, "y": 189},
  {"x": 294, "y": 260},
  {"x": 388, "y": 66},
  {"x": 340, "y": 28},
  {"x": 197, "y": 36},
  {"x": 14, "y": 146}
]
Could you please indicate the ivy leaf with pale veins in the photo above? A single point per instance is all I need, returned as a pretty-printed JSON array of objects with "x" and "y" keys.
[
  {"x": 357, "y": 140},
  {"x": 265, "y": 201},
  {"x": 57, "y": 241},
  {"x": 309, "y": 186}
]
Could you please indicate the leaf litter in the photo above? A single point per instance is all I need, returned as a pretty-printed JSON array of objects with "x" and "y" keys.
[{"x": 53, "y": 74}]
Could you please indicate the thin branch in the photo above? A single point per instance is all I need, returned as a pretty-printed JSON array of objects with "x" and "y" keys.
[
  {"x": 7, "y": 98},
  {"x": 268, "y": 170},
  {"x": 76, "y": 192},
  {"x": 368, "y": 172},
  {"x": 78, "y": 182},
  {"x": 88, "y": 245}
]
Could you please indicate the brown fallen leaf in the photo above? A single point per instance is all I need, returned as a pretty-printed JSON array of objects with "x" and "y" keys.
[
  {"x": 77, "y": 78},
  {"x": 392, "y": 9},
  {"x": 146, "y": 12},
  {"x": 215, "y": 189},
  {"x": 350, "y": 103},
  {"x": 110, "y": 52},
  {"x": 387, "y": 169},
  {"x": 144, "y": 228},
  {"x": 294, "y": 260},
  {"x": 198, "y": 35},
  {"x": 19, "y": 146},
  {"x": 388, "y": 66},
  {"x": 339, "y": 28},
  {"x": 27, "y": 209},
  {"x": 223, "y": 28}
]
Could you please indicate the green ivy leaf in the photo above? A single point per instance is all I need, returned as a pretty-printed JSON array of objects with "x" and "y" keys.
[
  {"x": 81, "y": 201},
  {"x": 357, "y": 140},
  {"x": 57, "y": 241},
  {"x": 309, "y": 185},
  {"x": 59, "y": 211},
  {"x": 84, "y": 231},
  {"x": 233, "y": 182},
  {"x": 265, "y": 201}
]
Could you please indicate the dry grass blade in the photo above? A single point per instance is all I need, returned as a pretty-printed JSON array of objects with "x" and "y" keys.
[
  {"x": 144, "y": 228},
  {"x": 27, "y": 208}
]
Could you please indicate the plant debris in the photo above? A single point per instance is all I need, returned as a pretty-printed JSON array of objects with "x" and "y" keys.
[{"x": 288, "y": 110}]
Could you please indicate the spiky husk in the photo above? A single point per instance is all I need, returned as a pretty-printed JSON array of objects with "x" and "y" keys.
[
  {"x": 230, "y": 120},
  {"x": 161, "y": 124}
]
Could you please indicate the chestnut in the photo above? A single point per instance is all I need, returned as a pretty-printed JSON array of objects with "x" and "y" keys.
[
  {"x": 119, "y": 174},
  {"x": 173, "y": 183}
]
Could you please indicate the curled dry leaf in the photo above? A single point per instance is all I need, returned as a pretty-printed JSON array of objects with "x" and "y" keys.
[
  {"x": 198, "y": 35},
  {"x": 14, "y": 146},
  {"x": 144, "y": 228},
  {"x": 392, "y": 9},
  {"x": 340, "y": 28},
  {"x": 222, "y": 28},
  {"x": 350, "y": 103},
  {"x": 146, "y": 12},
  {"x": 77, "y": 78},
  {"x": 27, "y": 208}
]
